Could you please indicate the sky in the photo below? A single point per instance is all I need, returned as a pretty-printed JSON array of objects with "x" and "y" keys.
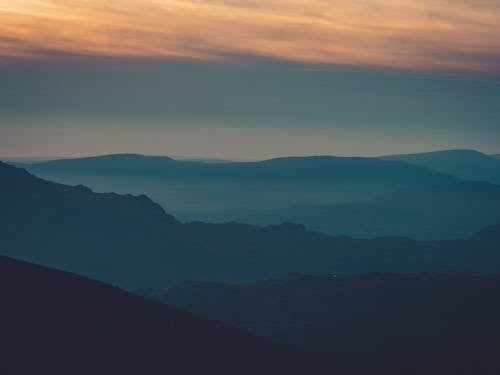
[{"x": 248, "y": 79}]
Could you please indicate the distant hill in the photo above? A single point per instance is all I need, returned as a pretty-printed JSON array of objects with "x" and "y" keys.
[
  {"x": 454, "y": 211},
  {"x": 430, "y": 323},
  {"x": 132, "y": 242},
  {"x": 464, "y": 164},
  {"x": 194, "y": 190},
  {"x": 303, "y": 170},
  {"x": 58, "y": 323}
]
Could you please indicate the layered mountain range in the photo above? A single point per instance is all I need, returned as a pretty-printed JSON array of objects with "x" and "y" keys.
[
  {"x": 130, "y": 241},
  {"x": 428, "y": 196},
  {"x": 388, "y": 304}
]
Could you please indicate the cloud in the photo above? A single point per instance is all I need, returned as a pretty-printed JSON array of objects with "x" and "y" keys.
[{"x": 408, "y": 34}]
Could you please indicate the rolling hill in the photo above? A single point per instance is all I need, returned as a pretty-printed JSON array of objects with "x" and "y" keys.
[
  {"x": 430, "y": 323},
  {"x": 54, "y": 322},
  {"x": 464, "y": 164},
  {"x": 303, "y": 170},
  {"x": 206, "y": 191}
]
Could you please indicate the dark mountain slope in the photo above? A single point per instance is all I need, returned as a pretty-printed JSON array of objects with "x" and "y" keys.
[
  {"x": 131, "y": 242},
  {"x": 437, "y": 212},
  {"x": 123, "y": 207},
  {"x": 465, "y": 164},
  {"x": 72, "y": 228},
  {"x": 207, "y": 191},
  {"x": 53, "y": 322},
  {"x": 437, "y": 323}
]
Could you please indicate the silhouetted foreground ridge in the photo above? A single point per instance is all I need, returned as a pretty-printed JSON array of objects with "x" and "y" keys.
[
  {"x": 52, "y": 322},
  {"x": 426, "y": 323}
]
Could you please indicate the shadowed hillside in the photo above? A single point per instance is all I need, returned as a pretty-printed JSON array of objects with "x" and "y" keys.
[
  {"x": 58, "y": 323},
  {"x": 431, "y": 323}
]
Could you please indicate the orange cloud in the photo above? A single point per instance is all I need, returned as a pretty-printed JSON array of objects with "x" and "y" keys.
[{"x": 413, "y": 34}]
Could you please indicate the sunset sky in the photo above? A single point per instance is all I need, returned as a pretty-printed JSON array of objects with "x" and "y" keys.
[{"x": 234, "y": 78}]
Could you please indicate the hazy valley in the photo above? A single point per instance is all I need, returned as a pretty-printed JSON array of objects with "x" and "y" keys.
[{"x": 359, "y": 197}]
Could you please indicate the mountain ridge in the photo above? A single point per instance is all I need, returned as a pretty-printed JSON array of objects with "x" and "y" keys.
[
  {"x": 65, "y": 323},
  {"x": 130, "y": 241},
  {"x": 453, "y": 211},
  {"x": 139, "y": 164},
  {"x": 204, "y": 191},
  {"x": 432, "y": 323},
  {"x": 464, "y": 164}
]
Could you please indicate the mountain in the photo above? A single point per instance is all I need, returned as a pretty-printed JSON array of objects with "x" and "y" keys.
[
  {"x": 194, "y": 190},
  {"x": 303, "y": 170},
  {"x": 464, "y": 164},
  {"x": 454, "y": 211},
  {"x": 54, "y": 322},
  {"x": 130, "y": 241},
  {"x": 425, "y": 323}
]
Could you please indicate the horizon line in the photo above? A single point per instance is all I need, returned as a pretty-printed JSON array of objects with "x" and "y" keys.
[{"x": 226, "y": 158}]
